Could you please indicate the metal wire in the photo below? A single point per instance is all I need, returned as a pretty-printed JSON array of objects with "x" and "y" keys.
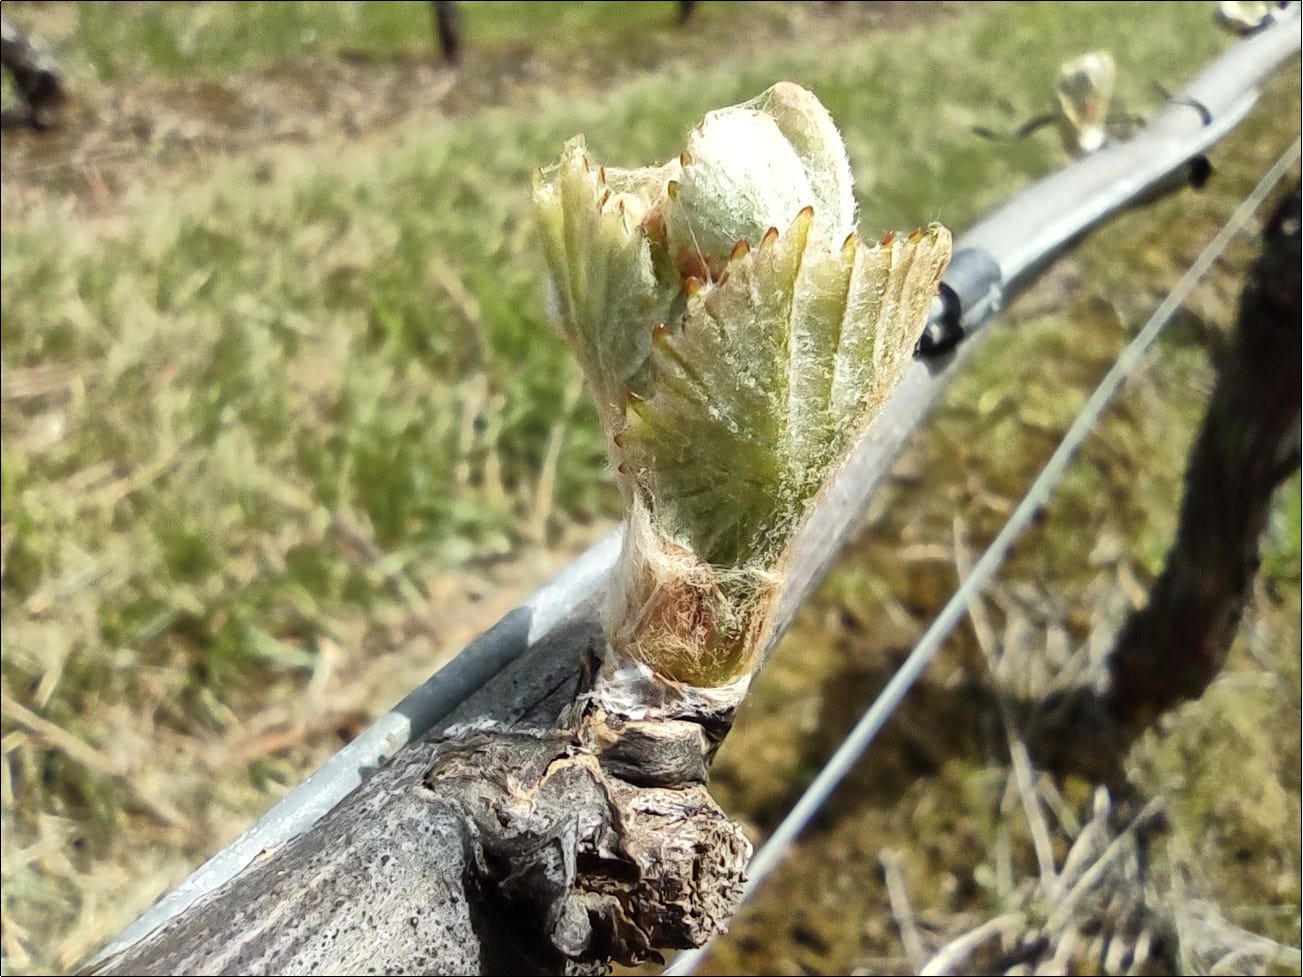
[{"x": 853, "y": 747}]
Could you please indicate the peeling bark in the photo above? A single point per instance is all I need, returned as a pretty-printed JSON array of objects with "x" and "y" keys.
[
  {"x": 599, "y": 868},
  {"x": 496, "y": 848}
]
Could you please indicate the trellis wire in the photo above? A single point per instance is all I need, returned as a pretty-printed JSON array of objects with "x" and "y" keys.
[{"x": 873, "y": 719}]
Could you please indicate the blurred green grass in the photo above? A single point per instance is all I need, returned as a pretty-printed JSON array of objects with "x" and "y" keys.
[
  {"x": 113, "y": 42},
  {"x": 243, "y": 417}
]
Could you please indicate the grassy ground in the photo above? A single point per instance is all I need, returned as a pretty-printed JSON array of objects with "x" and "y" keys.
[
  {"x": 110, "y": 44},
  {"x": 284, "y": 421}
]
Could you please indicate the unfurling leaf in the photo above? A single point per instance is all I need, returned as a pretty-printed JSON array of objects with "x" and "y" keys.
[{"x": 739, "y": 337}]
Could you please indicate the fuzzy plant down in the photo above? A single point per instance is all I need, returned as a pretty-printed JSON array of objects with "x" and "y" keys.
[{"x": 739, "y": 336}]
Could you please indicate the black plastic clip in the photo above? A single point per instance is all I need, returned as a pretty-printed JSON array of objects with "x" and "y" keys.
[
  {"x": 945, "y": 327},
  {"x": 968, "y": 296}
]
